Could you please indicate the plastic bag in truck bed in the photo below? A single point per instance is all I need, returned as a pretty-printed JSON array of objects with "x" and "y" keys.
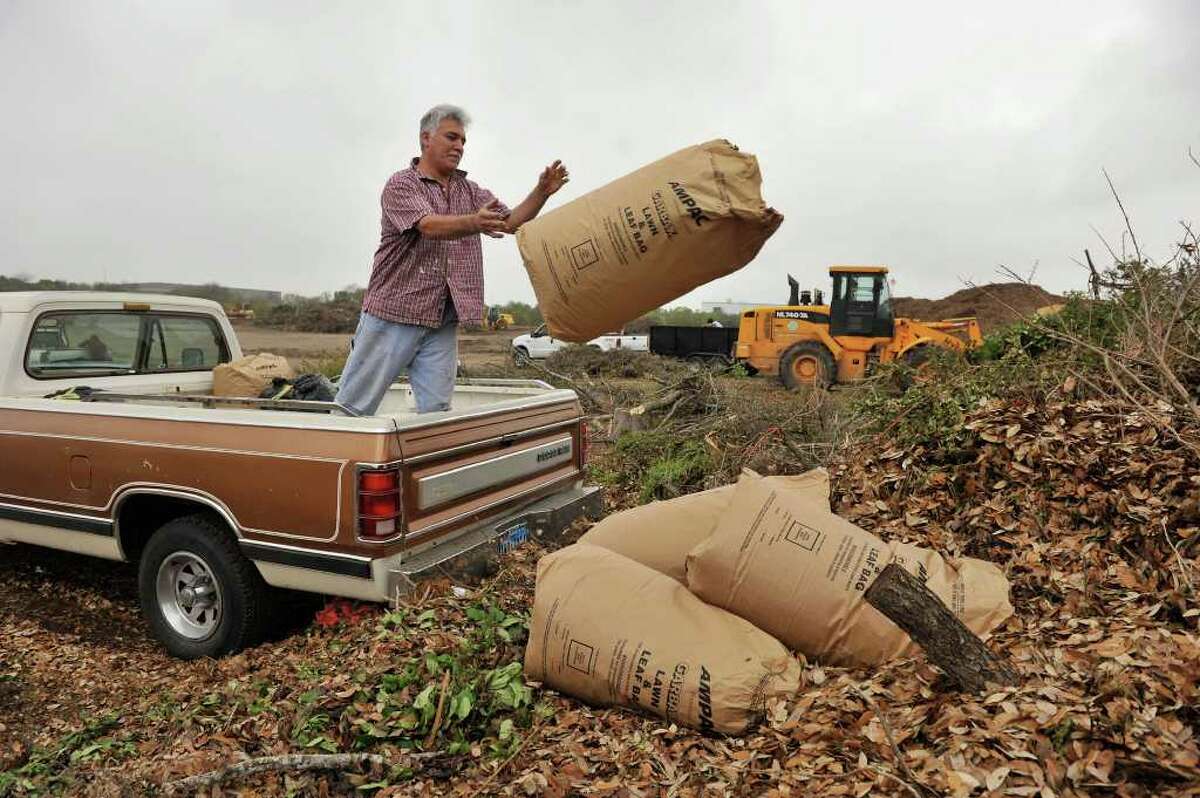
[
  {"x": 615, "y": 633},
  {"x": 606, "y": 258},
  {"x": 660, "y": 534},
  {"x": 787, "y": 564},
  {"x": 247, "y": 376}
]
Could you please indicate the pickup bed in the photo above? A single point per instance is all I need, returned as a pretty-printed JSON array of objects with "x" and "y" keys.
[{"x": 220, "y": 501}]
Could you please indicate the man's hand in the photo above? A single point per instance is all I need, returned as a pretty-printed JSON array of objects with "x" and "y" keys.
[
  {"x": 553, "y": 178},
  {"x": 491, "y": 220}
]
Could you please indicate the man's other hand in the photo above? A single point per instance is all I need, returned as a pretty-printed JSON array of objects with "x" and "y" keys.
[
  {"x": 490, "y": 220},
  {"x": 553, "y": 178}
]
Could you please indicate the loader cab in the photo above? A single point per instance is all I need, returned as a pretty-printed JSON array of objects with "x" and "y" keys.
[{"x": 861, "y": 303}]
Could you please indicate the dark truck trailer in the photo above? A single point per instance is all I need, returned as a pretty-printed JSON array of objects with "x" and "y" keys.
[{"x": 695, "y": 343}]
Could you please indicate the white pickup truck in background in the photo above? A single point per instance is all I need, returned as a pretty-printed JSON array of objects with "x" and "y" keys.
[{"x": 541, "y": 344}]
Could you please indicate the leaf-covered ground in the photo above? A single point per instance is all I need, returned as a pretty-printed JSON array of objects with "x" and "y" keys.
[{"x": 1092, "y": 511}]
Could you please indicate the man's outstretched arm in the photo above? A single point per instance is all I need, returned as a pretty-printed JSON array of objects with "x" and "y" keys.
[
  {"x": 553, "y": 178},
  {"x": 487, "y": 220}
]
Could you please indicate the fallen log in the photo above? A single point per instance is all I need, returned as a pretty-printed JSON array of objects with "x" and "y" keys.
[
  {"x": 287, "y": 762},
  {"x": 948, "y": 643}
]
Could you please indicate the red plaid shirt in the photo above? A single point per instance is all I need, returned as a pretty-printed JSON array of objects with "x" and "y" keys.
[{"x": 413, "y": 276}]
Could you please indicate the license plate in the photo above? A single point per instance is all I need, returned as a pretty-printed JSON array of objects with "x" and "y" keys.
[{"x": 513, "y": 537}]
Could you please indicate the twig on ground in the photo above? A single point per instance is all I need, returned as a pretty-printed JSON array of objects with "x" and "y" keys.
[
  {"x": 287, "y": 762},
  {"x": 1183, "y": 568},
  {"x": 896, "y": 756},
  {"x": 437, "y": 716},
  {"x": 534, "y": 733}
]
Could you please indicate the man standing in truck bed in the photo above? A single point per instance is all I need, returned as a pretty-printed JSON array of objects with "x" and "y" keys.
[{"x": 428, "y": 270}]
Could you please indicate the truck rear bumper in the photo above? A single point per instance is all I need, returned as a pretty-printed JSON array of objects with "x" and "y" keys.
[
  {"x": 469, "y": 552},
  {"x": 472, "y": 551}
]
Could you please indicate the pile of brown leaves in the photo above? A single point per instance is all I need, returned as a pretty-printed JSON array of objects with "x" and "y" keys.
[{"x": 1093, "y": 513}]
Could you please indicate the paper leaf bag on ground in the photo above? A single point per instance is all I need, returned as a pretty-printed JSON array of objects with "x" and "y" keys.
[
  {"x": 612, "y": 632},
  {"x": 660, "y": 534},
  {"x": 247, "y": 376},
  {"x": 794, "y": 569},
  {"x": 606, "y": 258}
]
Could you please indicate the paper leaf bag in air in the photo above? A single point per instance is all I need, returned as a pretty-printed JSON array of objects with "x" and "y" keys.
[{"x": 604, "y": 259}]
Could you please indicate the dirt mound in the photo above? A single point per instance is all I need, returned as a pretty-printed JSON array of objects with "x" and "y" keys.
[{"x": 995, "y": 304}]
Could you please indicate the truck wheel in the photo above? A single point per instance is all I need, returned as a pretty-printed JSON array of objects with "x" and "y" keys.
[
  {"x": 521, "y": 356},
  {"x": 200, "y": 595},
  {"x": 807, "y": 363}
]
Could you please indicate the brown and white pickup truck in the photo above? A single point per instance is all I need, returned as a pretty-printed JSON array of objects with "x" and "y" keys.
[{"x": 222, "y": 501}]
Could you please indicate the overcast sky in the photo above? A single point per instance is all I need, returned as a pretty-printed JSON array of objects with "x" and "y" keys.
[{"x": 247, "y": 143}]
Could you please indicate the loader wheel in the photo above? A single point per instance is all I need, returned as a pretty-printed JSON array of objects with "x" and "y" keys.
[
  {"x": 917, "y": 359},
  {"x": 807, "y": 363},
  {"x": 919, "y": 356}
]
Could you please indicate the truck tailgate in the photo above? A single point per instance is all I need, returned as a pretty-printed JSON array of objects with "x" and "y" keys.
[{"x": 463, "y": 469}]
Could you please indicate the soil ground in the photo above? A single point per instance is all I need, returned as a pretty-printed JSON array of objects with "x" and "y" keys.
[{"x": 476, "y": 348}]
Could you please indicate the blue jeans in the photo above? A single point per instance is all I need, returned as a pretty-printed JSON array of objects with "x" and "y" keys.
[{"x": 382, "y": 349}]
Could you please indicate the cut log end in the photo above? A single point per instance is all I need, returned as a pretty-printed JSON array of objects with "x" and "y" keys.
[{"x": 948, "y": 643}]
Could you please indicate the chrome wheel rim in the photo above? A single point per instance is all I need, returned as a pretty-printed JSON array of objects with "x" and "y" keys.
[{"x": 189, "y": 596}]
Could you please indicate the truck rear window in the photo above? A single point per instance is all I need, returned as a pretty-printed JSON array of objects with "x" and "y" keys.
[{"x": 77, "y": 343}]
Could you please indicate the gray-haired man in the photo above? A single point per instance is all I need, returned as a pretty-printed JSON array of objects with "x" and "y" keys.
[{"x": 428, "y": 270}]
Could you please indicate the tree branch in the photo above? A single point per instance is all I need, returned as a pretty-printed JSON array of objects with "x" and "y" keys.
[
  {"x": 948, "y": 643},
  {"x": 288, "y": 762}
]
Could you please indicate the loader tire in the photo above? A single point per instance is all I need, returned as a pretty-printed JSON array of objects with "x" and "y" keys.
[
  {"x": 916, "y": 359},
  {"x": 807, "y": 363},
  {"x": 918, "y": 356}
]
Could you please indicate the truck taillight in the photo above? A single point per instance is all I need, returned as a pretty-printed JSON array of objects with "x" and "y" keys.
[
  {"x": 380, "y": 509},
  {"x": 585, "y": 443}
]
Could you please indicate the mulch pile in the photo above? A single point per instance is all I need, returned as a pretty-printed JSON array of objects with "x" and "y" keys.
[{"x": 995, "y": 304}]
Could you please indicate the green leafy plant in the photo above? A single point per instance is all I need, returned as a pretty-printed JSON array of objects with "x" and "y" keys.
[
  {"x": 46, "y": 769},
  {"x": 459, "y": 697}
]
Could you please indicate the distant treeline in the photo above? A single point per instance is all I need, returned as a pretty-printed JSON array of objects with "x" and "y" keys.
[
  {"x": 337, "y": 312},
  {"x": 229, "y": 297}
]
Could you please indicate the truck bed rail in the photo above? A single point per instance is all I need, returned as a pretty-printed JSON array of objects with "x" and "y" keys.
[{"x": 224, "y": 401}]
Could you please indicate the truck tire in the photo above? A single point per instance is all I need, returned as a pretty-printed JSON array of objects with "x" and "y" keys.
[
  {"x": 521, "y": 356},
  {"x": 807, "y": 363},
  {"x": 199, "y": 593}
]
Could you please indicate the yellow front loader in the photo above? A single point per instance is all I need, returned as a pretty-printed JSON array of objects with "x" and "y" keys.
[{"x": 807, "y": 342}]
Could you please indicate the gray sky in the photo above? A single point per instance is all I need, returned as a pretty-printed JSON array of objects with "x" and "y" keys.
[{"x": 247, "y": 143}]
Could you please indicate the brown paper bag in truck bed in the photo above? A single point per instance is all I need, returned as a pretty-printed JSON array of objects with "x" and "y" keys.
[
  {"x": 660, "y": 534},
  {"x": 604, "y": 259},
  {"x": 794, "y": 569},
  {"x": 615, "y": 633},
  {"x": 247, "y": 376}
]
